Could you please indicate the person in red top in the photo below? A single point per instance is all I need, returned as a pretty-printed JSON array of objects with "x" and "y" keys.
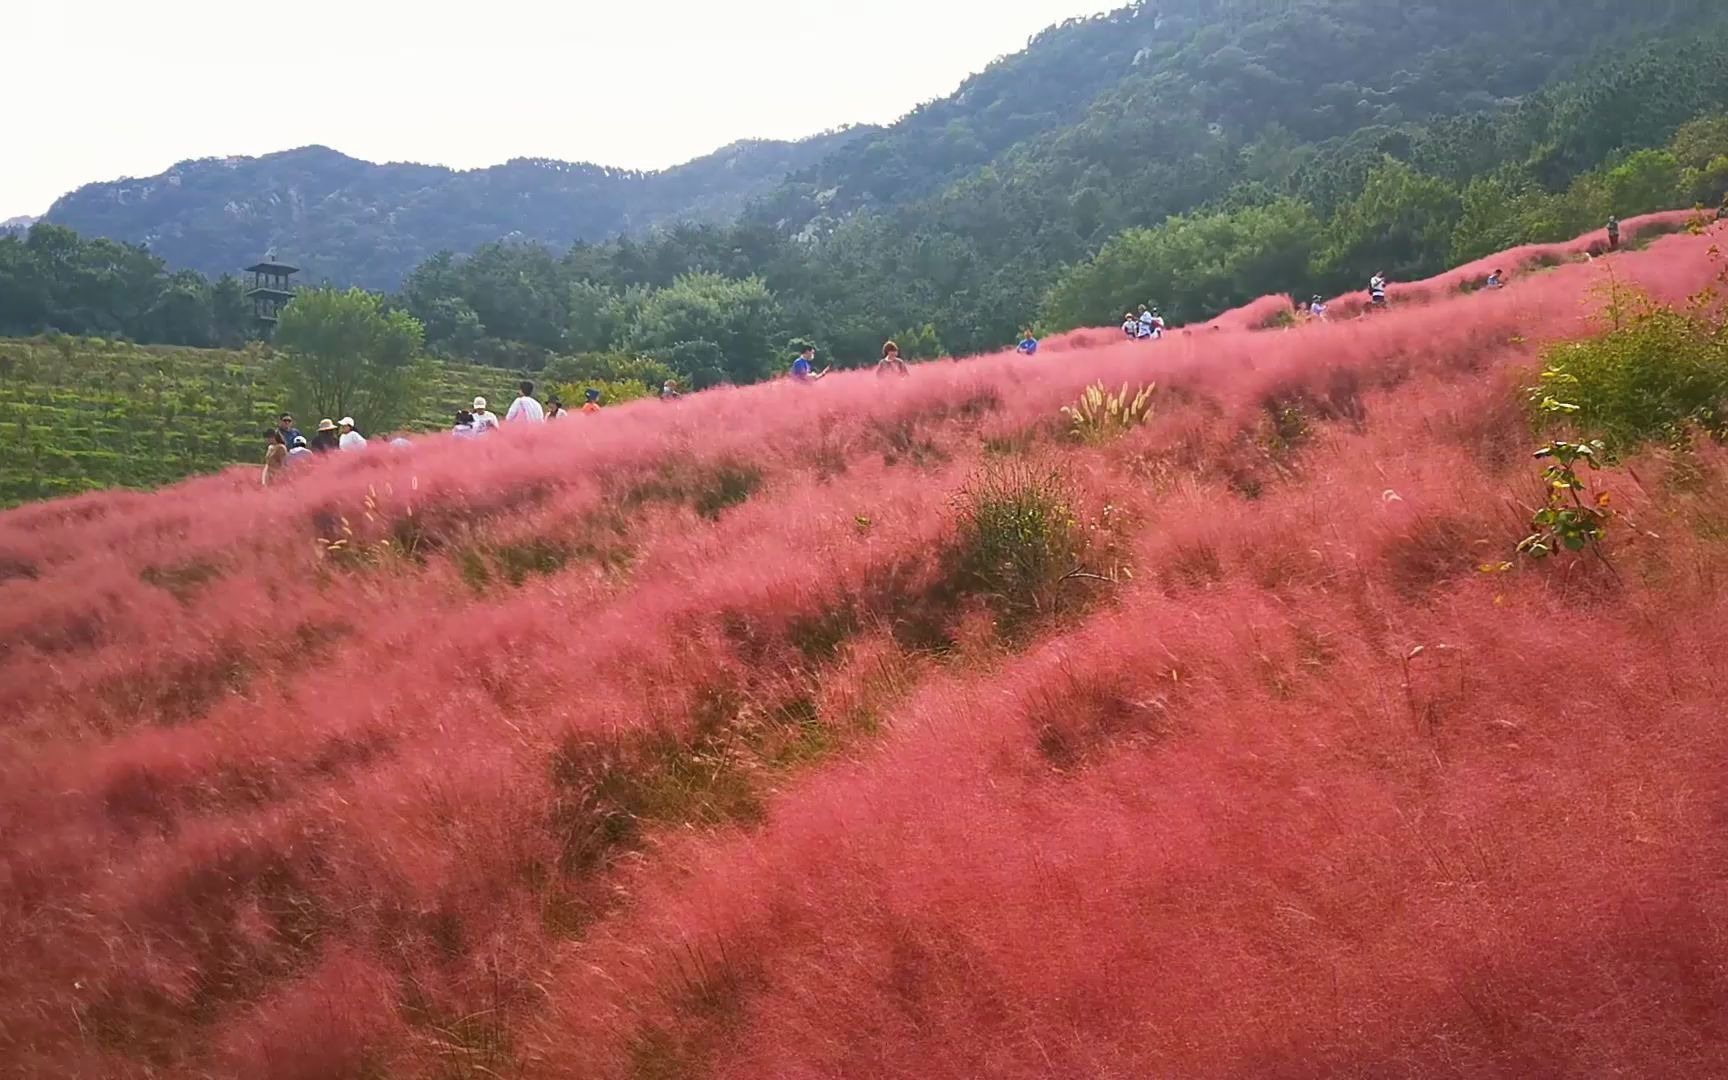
[{"x": 592, "y": 405}]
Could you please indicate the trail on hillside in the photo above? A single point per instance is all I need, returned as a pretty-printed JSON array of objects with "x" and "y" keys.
[{"x": 709, "y": 738}]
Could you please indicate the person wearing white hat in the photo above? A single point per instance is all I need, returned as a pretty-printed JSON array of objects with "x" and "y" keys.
[
  {"x": 351, "y": 439},
  {"x": 299, "y": 451},
  {"x": 484, "y": 419}
]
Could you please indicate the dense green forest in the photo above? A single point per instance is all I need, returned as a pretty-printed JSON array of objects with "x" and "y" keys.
[{"x": 1194, "y": 153}]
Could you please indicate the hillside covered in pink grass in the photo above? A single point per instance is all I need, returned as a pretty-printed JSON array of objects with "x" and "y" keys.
[{"x": 728, "y": 737}]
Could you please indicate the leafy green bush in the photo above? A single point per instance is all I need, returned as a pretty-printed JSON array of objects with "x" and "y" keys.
[{"x": 1656, "y": 374}]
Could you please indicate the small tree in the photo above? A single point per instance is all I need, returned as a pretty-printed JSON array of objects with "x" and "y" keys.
[{"x": 347, "y": 355}]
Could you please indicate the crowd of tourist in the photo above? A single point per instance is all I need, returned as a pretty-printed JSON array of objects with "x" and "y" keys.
[{"x": 285, "y": 445}]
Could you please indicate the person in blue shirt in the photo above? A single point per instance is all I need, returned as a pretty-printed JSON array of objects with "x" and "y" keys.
[
  {"x": 803, "y": 368},
  {"x": 1028, "y": 344}
]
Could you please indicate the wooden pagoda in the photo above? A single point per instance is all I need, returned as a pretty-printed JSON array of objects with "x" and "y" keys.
[{"x": 270, "y": 289}]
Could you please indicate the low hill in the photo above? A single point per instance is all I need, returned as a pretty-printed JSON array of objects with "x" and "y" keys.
[
  {"x": 84, "y": 413},
  {"x": 356, "y": 222},
  {"x": 916, "y": 727}
]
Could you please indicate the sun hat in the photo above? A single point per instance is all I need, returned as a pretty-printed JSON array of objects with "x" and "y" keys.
[
  {"x": 480, "y": 403},
  {"x": 326, "y": 424},
  {"x": 346, "y": 421}
]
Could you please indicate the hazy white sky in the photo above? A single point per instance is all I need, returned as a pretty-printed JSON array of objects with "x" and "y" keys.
[{"x": 98, "y": 89}]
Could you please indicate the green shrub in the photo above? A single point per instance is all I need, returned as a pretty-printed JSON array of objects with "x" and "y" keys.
[
  {"x": 1019, "y": 537},
  {"x": 1654, "y": 375}
]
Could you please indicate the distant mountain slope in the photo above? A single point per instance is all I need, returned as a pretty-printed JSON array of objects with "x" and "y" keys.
[{"x": 358, "y": 222}]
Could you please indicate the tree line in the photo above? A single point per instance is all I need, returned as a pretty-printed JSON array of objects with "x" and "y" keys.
[{"x": 1169, "y": 187}]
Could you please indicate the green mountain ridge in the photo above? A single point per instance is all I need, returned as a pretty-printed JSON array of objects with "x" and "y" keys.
[{"x": 357, "y": 222}]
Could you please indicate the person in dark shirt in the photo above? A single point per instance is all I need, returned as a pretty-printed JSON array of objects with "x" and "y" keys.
[
  {"x": 325, "y": 439},
  {"x": 1613, "y": 233},
  {"x": 285, "y": 424}
]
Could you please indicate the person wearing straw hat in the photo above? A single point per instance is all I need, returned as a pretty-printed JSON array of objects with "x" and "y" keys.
[
  {"x": 324, "y": 440},
  {"x": 484, "y": 419},
  {"x": 351, "y": 439}
]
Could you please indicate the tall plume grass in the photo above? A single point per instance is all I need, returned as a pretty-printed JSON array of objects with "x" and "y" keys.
[{"x": 885, "y": 729}]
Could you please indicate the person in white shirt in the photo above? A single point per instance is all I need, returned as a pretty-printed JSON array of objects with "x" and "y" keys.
[
  {"x": 484, "y": 419},
  {"x": 525, "y": 409},
  {"x": 349, "y": 439},
  {"x": 299, "y": 451}
]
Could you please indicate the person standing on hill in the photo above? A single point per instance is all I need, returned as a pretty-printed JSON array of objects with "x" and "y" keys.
[
  {"x": 669, "y": 390},
  {"x": 350, "y": 439},
  {"x": 525, "y": 410},
  {"x": 299, "y": 451},
  {"x": 803, "y": 368},
  {"x": 1613, "y": 233},
  {"x": 1377, "y": 289},
  {"x": 285, "y": 424},
  {"x": 591, "y": 400},
  {"x": 1317, "y": 309},
  {"x": 891, "y": 360},
  {"x": 1028, "y": 344},
  {"x": 1130, "y": 325},
  {"x": 484, "y": 419},
  {"x": 463, "y": 428},
  {"x": 275, "y": 456},
  {"x": 555, "y": 408},
  {"x": 324, "y": 440}
]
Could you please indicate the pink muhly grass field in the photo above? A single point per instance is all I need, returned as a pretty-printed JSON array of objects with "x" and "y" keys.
[{"x": 692, "y": 740}]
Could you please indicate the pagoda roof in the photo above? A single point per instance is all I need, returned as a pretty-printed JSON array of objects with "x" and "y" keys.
[{"x": 272, "y": 268}]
